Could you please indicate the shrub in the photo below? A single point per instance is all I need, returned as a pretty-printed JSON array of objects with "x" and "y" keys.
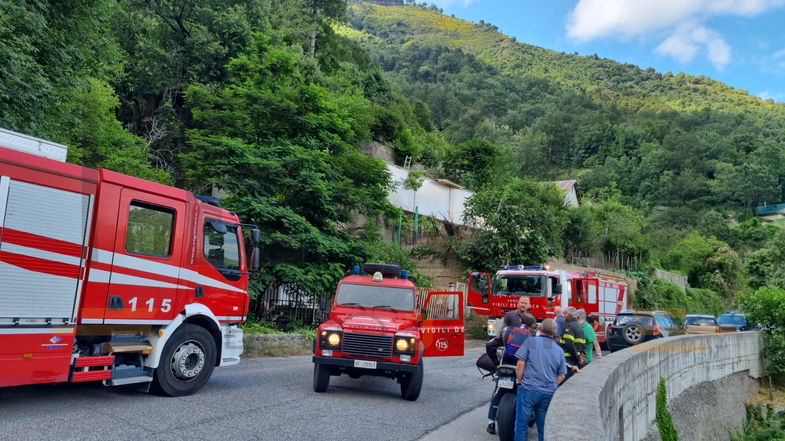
[
  {"x": 663, "y": 415},
  {"x": 766, "y": 307}
]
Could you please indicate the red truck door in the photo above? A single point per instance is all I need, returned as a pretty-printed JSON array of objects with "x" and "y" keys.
[
  {"x": 145, "y": 275},
  {"x": 479, "y": 291},
  {"x": 442, "y": 327}
]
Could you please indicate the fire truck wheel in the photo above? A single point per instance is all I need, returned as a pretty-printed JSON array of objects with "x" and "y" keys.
[
  {"x": 321, "y": 378},
  {"x": 412, "y": 384},
  {"x": 187, "y": 362},
  {"x": 505, "y": 417}
]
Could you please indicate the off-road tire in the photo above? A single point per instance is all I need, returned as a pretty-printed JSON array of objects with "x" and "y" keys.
[
  {"x": 411, "y": 385},
  {"x": 321, "y": 378}
]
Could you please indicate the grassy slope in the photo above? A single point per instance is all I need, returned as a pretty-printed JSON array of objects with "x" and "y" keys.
[{"x": 624, "y": 83}]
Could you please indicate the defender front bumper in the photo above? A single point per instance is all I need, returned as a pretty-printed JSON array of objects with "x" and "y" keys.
[{"x": 349, "y": 363}]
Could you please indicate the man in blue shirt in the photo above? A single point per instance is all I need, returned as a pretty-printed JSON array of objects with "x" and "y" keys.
[{"x": 541, "y": 368}]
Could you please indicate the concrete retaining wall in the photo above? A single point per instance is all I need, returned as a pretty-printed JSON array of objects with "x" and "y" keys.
[
  {"x": 276, "y": 345},
  {"x": 614, "y": 399}
]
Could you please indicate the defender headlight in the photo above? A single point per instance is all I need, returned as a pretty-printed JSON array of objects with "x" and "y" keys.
[
  {"x": 405, "y": 344},
  {"x": 330, "y": 339}
]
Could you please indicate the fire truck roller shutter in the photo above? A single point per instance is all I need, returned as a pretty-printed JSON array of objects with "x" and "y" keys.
[
  {"x": 195, "y": 313},
  {"x": 44, "y": 230}
]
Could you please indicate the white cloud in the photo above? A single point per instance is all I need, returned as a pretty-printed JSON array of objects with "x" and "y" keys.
[
  {"x": 779, "y": 54},
  {"x": 690, "y": 38},
  {"x": 681, "y": 19},
  {"x": 448, "y": 3},
  {"x": 593, "y": 19},
  {"x": 766, "y": 95}
]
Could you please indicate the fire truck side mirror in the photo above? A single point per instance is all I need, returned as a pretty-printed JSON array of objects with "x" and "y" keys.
[
  {"x": 256, "y": 259},
  {"x": 557, "y": 289},
  {"x": 256, "y": 236},
  {"x": 323, "y": 305}
]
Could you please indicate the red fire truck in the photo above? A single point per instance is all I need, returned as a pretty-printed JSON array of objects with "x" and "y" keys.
[
  {"x": 377, "y": 327},
  {"x": 600, "y": 295},
  {"x": 106, "y": 277}
]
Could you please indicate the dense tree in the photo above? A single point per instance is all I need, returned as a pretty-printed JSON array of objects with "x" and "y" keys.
[
  {"x": 476, "y": 163},
  {"x": 520, "y": 222},
  {"x": 277, "y": 143}
]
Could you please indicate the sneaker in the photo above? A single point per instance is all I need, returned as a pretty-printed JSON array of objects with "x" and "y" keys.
[{"x": 491, "y": 428}]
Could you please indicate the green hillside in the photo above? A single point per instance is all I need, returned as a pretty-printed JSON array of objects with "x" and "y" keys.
[
  {"x": 416, "y": 27},
  {"x": 658, "y": 139}
]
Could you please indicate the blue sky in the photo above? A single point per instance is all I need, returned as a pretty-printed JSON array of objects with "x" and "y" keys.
[{"x": 739, "y": 42}]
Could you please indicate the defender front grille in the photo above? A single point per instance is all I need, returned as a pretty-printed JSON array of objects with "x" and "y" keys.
[{"x": 367, "y": 344}]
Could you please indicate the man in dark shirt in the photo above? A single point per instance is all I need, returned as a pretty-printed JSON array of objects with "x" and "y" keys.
[
  {"x": 541, "y": 368},
  {"x": 572, "y": 340},
  {"x": 524, "y": 306}
]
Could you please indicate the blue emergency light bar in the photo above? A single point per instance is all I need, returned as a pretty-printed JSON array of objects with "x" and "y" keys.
[
  {"x": 386, "y": 270},
  {"x": 525, "y": 267}
]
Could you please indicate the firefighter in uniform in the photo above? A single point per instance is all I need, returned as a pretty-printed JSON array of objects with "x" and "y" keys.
[{"x": 572, "y": 341}]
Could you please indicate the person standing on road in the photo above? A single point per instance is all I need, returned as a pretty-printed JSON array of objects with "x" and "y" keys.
[
  {"x": 572, "y": 340},
  {"x": 524, "y": 306},
  {"x": 541, "y": 367},
  {"x": 559, "y": 317},
  {"x": 592, "y": 344}
]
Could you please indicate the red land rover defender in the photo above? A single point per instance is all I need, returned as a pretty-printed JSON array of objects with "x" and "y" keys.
[{"x": 379, "y": 326}]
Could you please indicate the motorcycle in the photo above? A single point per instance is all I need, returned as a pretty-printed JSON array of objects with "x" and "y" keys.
[{"x": 507, "y": 388}]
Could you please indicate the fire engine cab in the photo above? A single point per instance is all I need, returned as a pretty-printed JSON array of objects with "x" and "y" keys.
[
  {"x": 379, "y": 326},
  {"x": 107, "y": 277},
  {"x": 600, "y": 295}
]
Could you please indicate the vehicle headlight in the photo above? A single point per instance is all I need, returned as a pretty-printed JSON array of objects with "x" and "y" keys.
[
  {"x": 491, "y": 327},
  {"x": 330, "y": 339},
  {"x": 405, "y": 344}
]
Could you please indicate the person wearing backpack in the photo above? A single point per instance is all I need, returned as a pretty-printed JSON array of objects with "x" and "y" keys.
[{"x": 515, "y": 331}]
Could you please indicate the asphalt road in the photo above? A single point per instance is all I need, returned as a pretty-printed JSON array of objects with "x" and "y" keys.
[{"x": 260, "y": 399}]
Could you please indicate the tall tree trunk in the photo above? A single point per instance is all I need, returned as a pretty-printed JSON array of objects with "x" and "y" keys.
[{"x": 315, "y": 24}]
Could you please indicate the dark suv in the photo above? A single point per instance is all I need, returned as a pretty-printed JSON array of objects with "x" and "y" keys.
[{"x": 631, "y": 328}]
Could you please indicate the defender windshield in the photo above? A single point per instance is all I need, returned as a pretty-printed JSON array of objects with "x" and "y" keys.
[
  {"x": 370, "y": 296},
  {"x": 519, "y": 285}
]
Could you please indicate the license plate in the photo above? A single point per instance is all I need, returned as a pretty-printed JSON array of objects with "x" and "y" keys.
[
  {"x": 365, "y": 364},
  {"x": 506, "y": 382}
]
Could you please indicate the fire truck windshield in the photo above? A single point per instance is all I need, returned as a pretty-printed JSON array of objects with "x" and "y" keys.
[
  {"x": 370, "y": 296},
  {"x": 519, "y": 285}
]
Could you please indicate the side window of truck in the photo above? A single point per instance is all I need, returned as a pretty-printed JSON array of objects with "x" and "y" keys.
[
  {"x": 221, "y": 246},
  {"x": 149, "y": 230}
]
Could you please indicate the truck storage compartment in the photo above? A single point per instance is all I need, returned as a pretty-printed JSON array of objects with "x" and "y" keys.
[{"x": 41, "y": 250}]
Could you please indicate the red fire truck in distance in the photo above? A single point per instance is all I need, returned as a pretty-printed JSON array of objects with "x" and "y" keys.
[
  {"x": 106, "y": 277},
  {"x": 377, "y": 327},
  {"x": 598, "y": 294}
]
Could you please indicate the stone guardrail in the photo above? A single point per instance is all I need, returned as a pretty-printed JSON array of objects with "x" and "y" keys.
[{"x": 614, "y": 399}]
